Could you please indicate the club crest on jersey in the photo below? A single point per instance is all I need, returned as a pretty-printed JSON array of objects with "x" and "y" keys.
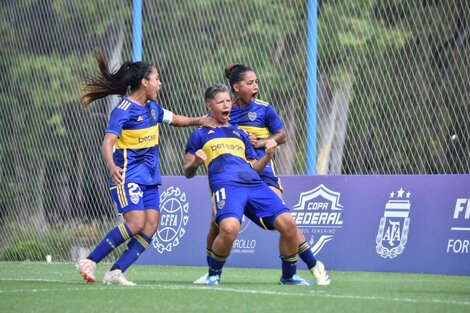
[
  {"x": 318, "y": 215},
  {"x": 394, "y": 225},
  {"x": 174, "y": 216},
  {"x": 252, "y": 116},
  {"x": 220, "y": 204},
  {"x": 135, "y": 193}
]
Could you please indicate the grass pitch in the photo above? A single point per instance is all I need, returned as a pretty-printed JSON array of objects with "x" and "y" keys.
[{"x": 57, "y": 287}]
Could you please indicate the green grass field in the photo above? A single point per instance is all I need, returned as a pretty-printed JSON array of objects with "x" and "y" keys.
[{"x": 57, "y": 287}]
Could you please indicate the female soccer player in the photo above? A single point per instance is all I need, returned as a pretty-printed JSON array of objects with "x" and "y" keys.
[
  {"x": 133, "y": 166},
  {"x": 261, "y": 122},
  {"x": 237, "y": 189}
]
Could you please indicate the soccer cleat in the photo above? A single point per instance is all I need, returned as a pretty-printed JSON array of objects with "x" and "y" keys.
[
  {"x": 320, "y": 274},
  {"x": 87, "y": 268},
  {"x": 116, "y": 277},
  {"x": 213, "y": 280},
  {"x": 295, "y": 280},
  {"x": 201, "y": 280}
]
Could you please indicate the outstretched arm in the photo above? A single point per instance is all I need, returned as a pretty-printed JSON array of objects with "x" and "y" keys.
[
  {"x": 192, "y": 162},
  {"x": 184, "y": 121}
]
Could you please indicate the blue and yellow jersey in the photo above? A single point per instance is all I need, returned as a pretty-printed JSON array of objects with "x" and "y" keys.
[
  {"x": 258, "y": 118},
  {"x": 227, "y": 150},
  {"x": 136, "y": 149}
]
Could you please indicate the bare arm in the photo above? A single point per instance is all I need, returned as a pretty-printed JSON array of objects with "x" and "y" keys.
[
  {"x": 280, "y": 137},
  {"x": 259, "y": 165},
  {"x": 115, "y": 172},
  {"x": 184, "y": 121},
  {"x": 192, "y": 162}
]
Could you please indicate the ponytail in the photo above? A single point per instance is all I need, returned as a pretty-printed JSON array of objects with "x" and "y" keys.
[{"x": 128, "y": 76}]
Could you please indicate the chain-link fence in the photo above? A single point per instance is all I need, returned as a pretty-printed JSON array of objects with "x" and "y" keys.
[{"x": 393, "y": 87}]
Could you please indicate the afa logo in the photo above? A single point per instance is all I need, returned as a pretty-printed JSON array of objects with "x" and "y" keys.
[
  {"x": 318, "y": 216},
  {"x": 394, "y": 225},
  {"x": 173, "y": 219}
]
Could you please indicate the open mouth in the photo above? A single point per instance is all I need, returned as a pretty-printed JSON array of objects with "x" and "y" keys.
[{"x": 226, "y": 113}]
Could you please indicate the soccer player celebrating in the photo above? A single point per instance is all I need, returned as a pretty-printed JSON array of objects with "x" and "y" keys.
[
  {"x": 261, "y": 122},
  {"x": 133, "y": 166},
  {"x": 237, "y": 189}
]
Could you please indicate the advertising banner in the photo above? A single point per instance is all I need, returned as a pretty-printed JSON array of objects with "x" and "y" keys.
[{"x": 386, "y": 223}]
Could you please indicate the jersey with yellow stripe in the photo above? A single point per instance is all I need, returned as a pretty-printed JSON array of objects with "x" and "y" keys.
[
  {"x": 258, "y": 118},
  {"x": 227, "y": 150},
  {"x": 136, "y": 150}
]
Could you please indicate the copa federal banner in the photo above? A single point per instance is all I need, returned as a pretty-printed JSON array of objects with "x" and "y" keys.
[{"x": 418, "y": 224}]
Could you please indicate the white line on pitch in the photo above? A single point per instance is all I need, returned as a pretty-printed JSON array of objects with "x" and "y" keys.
[{"x": 316, "y": 293}]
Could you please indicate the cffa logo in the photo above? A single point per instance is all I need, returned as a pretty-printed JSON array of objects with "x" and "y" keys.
[
  {"x": 394, "y": 225},
  {"x": 318, "y": 215},
  {"x": 173, "y": 219}
]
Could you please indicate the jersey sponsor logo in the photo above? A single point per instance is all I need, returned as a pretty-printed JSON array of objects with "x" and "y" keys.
[
  {"x": 394, "y": 225},
  {"x": 148, "y": 138},
  {"x": 318, "y": 215},
  {"x": 252, "y": 116},
  {"x": 222, "y": 145},
  {"x": 460, "y": 230},
  {"x": 135, "y": 193},
  {"x": 174, "y": 216}
]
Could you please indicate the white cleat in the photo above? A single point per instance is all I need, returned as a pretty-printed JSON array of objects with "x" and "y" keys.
[
  {"x": 201, "y": 280},
  {"x": 320, "y": 274},
  {"x": 116, "y": 277},
  {"x": 86, "y": 268}
]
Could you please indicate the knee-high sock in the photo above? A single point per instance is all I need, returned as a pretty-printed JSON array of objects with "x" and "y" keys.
[
  {"x": 289, "y": 265},
  {"x": 216, "y": 262},
  {"x": 306, "y": 254},
  {"x": 136, "y": 246},
  {"x": 111, "y": 241}
]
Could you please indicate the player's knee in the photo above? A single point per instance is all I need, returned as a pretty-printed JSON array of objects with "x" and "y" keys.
[
  {"x": 285, "y": 224},
  {"x": 151, "y": 227},
  {"x": 229, "y": 231},
  {"x": 136, "y": 226}
]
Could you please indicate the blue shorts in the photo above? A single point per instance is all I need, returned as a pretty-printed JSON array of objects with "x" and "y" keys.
[
  {"x": 268, "y": 175},
  {"x": 259, "y": 203},
  {"x": 132, "y": 196}
]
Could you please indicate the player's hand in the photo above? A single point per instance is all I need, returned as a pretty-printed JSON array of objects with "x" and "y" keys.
[
  {"x": 255, "y": 142},
  {"x": 270, "y": 146},
  {"x": 208, "y": 121},
  {"x": 115, "y": 172},
  {"x": 200, "y": 157}
]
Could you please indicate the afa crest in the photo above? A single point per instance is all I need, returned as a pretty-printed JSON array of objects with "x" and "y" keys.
[
  {"x": 174, "y": 217},
  {"x": 394, "y": 225}
]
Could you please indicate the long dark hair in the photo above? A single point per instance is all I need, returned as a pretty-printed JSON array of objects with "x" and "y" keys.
[
  {"x": 128, "y": 76},
  {"x": 235, "y": 73}
]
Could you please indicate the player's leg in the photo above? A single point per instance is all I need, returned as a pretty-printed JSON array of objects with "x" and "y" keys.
[
  {"x": 229, "y": 203},
  {"x": 113, "y": 238},
  {"x": 141, "y": 241},
  {"x": 211, "y": 235},
  {"x": 268, "y": 210},
  {"x": 229, "y": 227},
  {"x": 304, "y": 250}
]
